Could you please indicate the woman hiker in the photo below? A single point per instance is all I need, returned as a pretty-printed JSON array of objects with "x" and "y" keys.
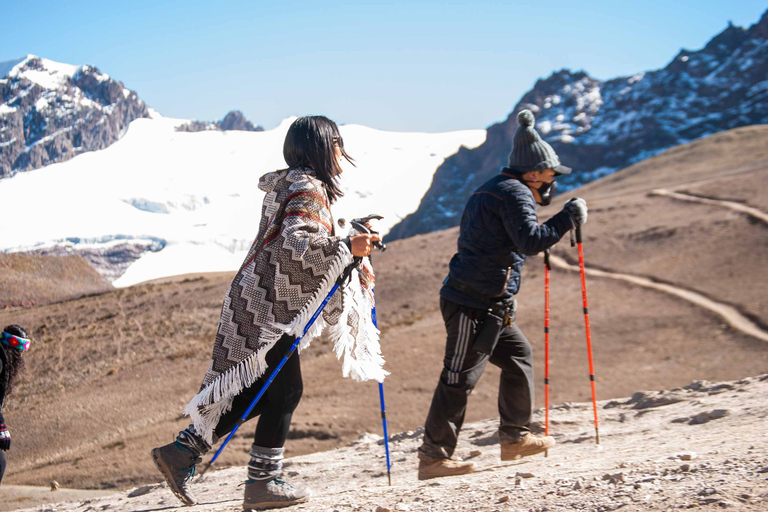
[
  {"x": 14, "y": 341},
  {"x": 290, "y": 268}
]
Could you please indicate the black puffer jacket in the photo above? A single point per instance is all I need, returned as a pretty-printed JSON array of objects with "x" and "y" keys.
[{"x": 499, "y": 228}]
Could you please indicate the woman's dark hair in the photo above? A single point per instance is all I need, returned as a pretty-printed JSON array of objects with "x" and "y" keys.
[
  {"x": 13, "y": 356},
  {"x": 310, "y": 143}
]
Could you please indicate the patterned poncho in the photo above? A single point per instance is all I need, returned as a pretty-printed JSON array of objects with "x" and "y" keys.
[{"x": 290, "y": 268}]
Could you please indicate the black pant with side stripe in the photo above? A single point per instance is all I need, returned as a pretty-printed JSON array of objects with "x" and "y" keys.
[{"x": 462, "y": 368}]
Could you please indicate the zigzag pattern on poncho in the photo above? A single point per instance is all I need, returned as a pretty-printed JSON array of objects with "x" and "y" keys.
[{"x": 290, "y": 268}]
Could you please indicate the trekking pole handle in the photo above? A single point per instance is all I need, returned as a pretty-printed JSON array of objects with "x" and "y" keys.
[
  {"x": 546, "y": 259},
  {"x": 578, "y": 234},
  {"x": 359, "y": 225}
]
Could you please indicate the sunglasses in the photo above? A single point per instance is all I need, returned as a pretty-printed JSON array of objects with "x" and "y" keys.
[
  {"x": 15, "y": 341},
  {"x": 339, "y": 141}
]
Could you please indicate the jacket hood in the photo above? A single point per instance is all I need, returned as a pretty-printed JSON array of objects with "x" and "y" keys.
[{"x": 268, "y": 182}]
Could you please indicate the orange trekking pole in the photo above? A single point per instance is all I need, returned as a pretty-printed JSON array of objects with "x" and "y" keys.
[
  {"x": 547, "y": 268},
  {"x": 586, "y": 324}
]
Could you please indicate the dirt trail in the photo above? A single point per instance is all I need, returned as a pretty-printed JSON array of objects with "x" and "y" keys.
[
  {"x": 752, "y": 212},
  {"x": 701, "y": 447},
  {"x": 730, "y": 314}
]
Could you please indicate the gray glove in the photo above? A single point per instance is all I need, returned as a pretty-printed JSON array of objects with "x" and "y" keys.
[{"x": 577, "y": 207}]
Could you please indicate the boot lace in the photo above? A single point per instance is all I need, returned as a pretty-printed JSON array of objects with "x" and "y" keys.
[
  {"x": 279, "y": 481},
  {"x": 191, "y": 470}
]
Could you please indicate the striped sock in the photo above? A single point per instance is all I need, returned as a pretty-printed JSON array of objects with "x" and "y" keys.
[{"x": 266, "y": 463}]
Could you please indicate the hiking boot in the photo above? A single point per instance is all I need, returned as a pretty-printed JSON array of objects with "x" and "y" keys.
[
  {"x": 273, "y": 493},
  {"x": 177, "y": 465},
  {"x": 435, "y": 468},
  {"x": 527, "y": 446}
]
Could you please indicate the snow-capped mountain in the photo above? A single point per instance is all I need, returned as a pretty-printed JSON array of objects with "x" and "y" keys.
[
  {"x": 50, "y": 112},
  {"x": 598, "y": 127},
  {"x": 161, "y": 202},
  {"x": 234, "y": 120}
]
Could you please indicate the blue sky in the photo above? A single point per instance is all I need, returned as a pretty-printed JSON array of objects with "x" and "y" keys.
[{"x": 407, "y": 66}]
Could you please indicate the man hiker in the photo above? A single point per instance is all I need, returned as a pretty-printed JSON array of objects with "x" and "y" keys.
[{"x": 499, "y": 228}]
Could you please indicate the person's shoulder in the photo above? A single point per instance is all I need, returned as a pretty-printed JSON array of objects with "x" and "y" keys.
[
  {"x": 303, "y": 182},
  {"x": 508, "y": 186}
]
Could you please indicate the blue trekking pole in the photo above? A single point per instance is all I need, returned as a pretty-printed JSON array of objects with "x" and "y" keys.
[
  {"x": 291, "y": 350},
  {"x": 383, "y": 407},
  {"x": 361, "y": 227}
]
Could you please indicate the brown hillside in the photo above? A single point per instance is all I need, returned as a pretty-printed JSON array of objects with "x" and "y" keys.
[
  {"x": 108, "y": 375},
  {"x": 27, "y": 280}
]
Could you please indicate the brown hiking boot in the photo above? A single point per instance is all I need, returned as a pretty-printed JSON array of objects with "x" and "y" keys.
[
  {"x": 435, "y": 468},
  {"x": 177, "y": 465},
  {"x": 527, "y": 446},
  {"x": 273, "y": 493}
]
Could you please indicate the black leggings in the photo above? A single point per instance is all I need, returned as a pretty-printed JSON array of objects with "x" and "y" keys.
[
  {"x": 278, "y": 403},
  {"x": 2, "y": 465}
]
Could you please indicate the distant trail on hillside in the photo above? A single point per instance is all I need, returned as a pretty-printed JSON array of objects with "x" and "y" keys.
[
  {"x": 682, "y": 196},
  {"x": 730, "y": 314}
]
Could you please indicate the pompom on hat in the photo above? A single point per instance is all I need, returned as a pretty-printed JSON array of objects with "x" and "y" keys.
[{"x": 529, "y": 151}]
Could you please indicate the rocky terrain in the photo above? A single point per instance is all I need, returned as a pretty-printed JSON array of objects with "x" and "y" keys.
[
  {"x": 109, "y": 374},
  {"x": 597, "y": 126},
  {"x": 234, "y": 120},
  {"x": 51, "y": 112},
  {"x": 701, "y": 446}
]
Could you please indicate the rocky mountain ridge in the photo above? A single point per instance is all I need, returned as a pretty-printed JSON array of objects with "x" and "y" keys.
[
  {"x": 50, "y": 112},
  {"x": 234, "y": 120},
  {"x": 598, "y": 127}
]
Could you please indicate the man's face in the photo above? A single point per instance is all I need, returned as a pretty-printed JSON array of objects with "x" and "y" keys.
[{"x": 545, "y": 176}]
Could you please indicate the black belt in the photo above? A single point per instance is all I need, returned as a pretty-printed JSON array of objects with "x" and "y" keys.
[{"x": 503, "y": 308}]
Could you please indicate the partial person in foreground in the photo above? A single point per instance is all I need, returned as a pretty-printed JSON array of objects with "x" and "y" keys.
[
  {"x": 14, "y": 341},
  {"x": 290, "y": 268},
  {"x": 499, "y": 229}
]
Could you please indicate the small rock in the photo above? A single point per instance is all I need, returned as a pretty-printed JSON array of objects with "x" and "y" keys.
[
  {"x": 382, "y": 509},
  {"x": 525, "y": 475},
  {"x": 366, "y": 437},
  {"x": 615, "y": 478},
  {"x": 577, "y": 485},
  {"x": 140, "y": 491},
  {"x": 704, "y": 417},
  {"x": 503, "y": 499},
  {"x": 519, "y": 482},
  {"x": 709, "y": 491},
  {"x": 293, "y": 473},
  {"x": 402, "y": 507},
  {"x": 474, "y": 453},
  {"x": 687, "y": 455},
  {"x": 685, "y": 468}
]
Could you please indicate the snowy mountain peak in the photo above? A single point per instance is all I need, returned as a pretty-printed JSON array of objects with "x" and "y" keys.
[
  {"x": 598, "y": 127},
  {"x": 51, "y": 111}
]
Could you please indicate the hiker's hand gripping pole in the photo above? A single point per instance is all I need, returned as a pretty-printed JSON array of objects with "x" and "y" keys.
[
  {"x": 361, "y": 226},
  {"x": 343, "y": 277},
  {"x": 586, "y": 324}
]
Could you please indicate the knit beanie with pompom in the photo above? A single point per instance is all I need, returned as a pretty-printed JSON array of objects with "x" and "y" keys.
[{"x": 529, "y": 151}]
